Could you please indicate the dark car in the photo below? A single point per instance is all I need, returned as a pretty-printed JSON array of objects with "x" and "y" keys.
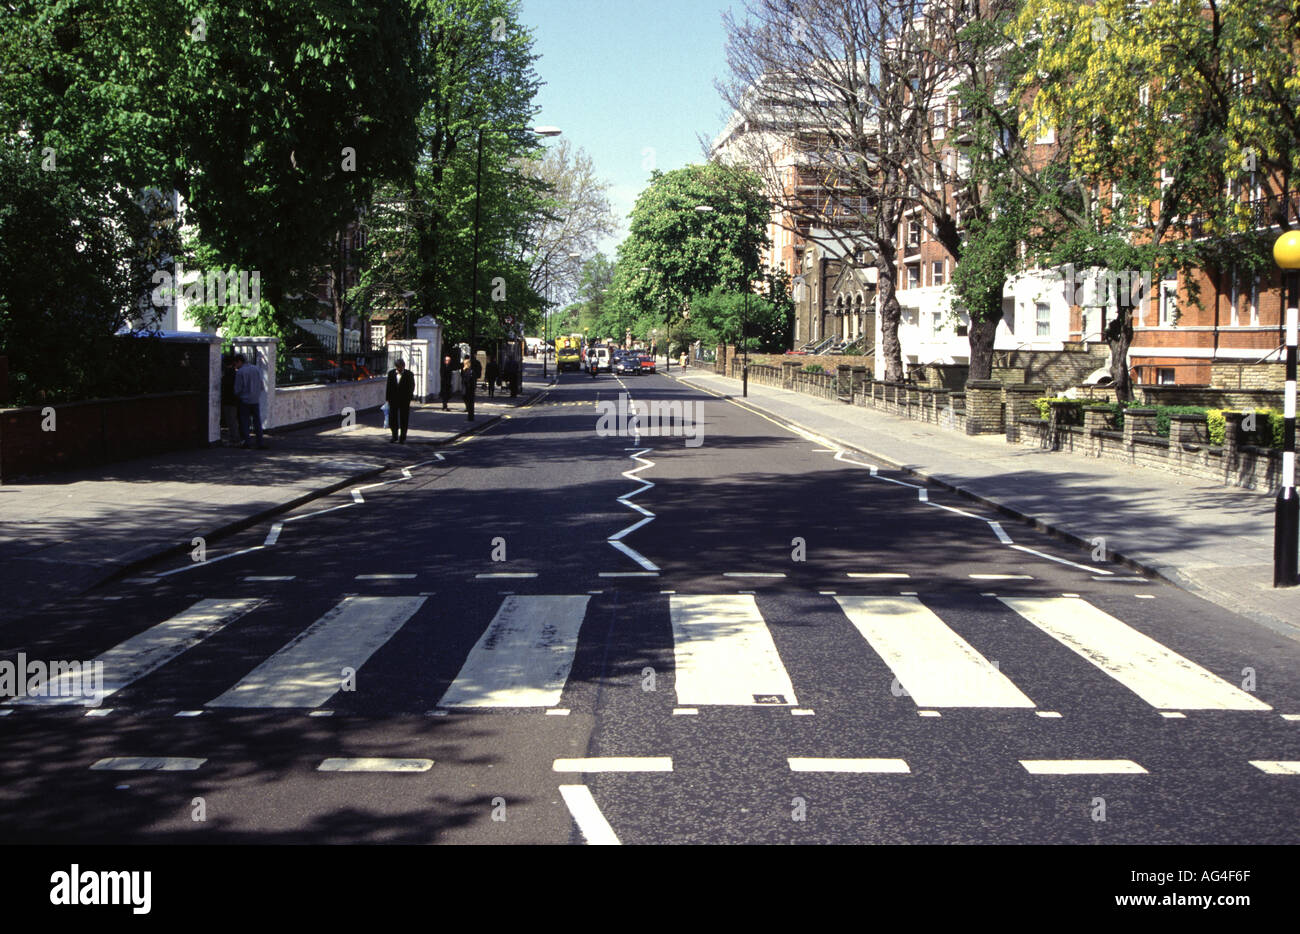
[
  {"x": 647, "y": 364},
  {"x": 628, "y": 363}
]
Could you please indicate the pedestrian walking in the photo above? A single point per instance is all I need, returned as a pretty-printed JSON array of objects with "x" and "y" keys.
[
  {"x": 493, "y": 377},
  {"x": 512, "y": 375},
  {"x": 445, "y": 383},
  {"x": 248, "y": 389},
  {"x": 229, "y": 401},
  {"x": 468, "y": 377},
  {"x": 401, "y": 387}
]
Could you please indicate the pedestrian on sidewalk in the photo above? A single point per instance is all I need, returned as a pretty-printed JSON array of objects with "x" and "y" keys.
[
  {"x": 445, "y": 387},
  {"x": 512, "y": 375},
  {"x": 248, "y": 389},
  {"x": 401, "y": 387},
  {"x": 229, "y": 401},
  {"x": 468, "y": 377},
  {"x": 493, "y": 377}
]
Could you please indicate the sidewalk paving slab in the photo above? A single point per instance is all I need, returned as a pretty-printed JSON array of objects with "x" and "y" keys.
[
  {"x": 1215, "y": 541},
  {"x": 64, "y": 533}
]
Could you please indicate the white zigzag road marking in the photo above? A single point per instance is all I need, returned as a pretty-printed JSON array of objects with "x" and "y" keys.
[{"x": 615, "y": 540}]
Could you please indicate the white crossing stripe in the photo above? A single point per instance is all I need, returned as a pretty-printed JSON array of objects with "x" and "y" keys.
[
  {"x": 591, "y": 823},
  {"x": 147, "y": 764},
  {"x": 147, "y": 651},
  {"x": 1160, "y": 676},
  {"x": 1082, "y": 767},
  {"x": 1277, "y": 766},
  {"x": 615, "y": 764},
  {"x": 848, "y": 765},
  {"x": 524, "y": 657},
  {"x": 375, "y": 764},
  {"x": 309, "y": 670},
  {"x": 725, "y": 654},
  {"x": 937, "y": 667}
]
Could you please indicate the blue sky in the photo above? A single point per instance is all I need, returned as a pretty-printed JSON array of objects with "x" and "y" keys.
[{"x": 630, "y": 82}]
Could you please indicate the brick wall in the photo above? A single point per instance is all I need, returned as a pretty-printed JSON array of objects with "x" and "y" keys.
[{"x": 1243, "y": 399}]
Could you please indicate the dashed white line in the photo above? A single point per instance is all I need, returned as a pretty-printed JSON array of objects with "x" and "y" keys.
[
  {"x": 375, "y": 764},
  {"x": 1277, "y": 766},
  {"x": 854, "y": 766},
  {"x": 1082, "y": 767},
  {"x": 591, "y": 823},
  {"x": 615, "y": 764},
  {"x": 147, "y": 764}
]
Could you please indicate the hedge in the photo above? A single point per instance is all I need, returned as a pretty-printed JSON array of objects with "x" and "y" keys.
[{"x": 1268, "y": 422}]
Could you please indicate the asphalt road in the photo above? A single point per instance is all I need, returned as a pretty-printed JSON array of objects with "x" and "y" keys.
[{"x": 713, "y": 631}]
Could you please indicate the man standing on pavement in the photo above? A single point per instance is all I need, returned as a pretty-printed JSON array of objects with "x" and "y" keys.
[
  {"x": 445, "y": 381},
  {"x": 248, "y": 389},
  {"x": 493, "y": 377},
  {"x": 468, "y": 377},
  {"x": 401, "y": 387},
  {"x": 512, "y": 375}
]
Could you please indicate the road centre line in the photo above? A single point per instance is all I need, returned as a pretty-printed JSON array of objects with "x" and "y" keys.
[
  {"x": 1082, "y": 767},
  {"x": 855, "y": 766},
  {"x": 593, "y": 826},
  {"x": 615, "y": 764}
]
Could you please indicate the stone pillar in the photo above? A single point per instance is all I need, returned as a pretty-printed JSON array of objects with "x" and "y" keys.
[
  {"x": 428, "y": 384},
  {"x": 1019, "y": 400},
  {"x": 1232, "y": 446},
  {"x": 983, "y": 407},
  {"x": 1056, "y": 421},
  {"x": 1095, "y": 419},
  {"x": 844, "y": 380},
  {"x": 788, "y": 369},
  {"x": 859, "y": 378},
  {"x": 940, "y": 401},
  {"x": 1138, "y": 422},
  {"x": 1188, "y": 429}
]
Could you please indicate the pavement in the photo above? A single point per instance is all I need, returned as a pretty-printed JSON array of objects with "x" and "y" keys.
[
  {"x": 78, "y": 529},
  {"x": 1212, "y": 540}
]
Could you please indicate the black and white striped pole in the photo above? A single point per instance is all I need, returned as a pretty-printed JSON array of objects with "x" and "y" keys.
[{"x": 1286, "y": 516}]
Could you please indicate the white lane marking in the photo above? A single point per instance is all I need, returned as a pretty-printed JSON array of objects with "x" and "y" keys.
[
  {"x": 6, "y": 712},
  {"x": 856, "y": 766},
  {"x": 615, "y": 764},
  {"x": 147, "y": 651},
  {"x": 635, "y": 555},
  {"x": 1145, "y": 596},
  {"x": 928, "y": 713},
  {"x": 1291, "y": 716},
  {"x": 1158, "y": 675},
  {"x": 1173, "y": 715},
  {"x": 725, "y": 654},
  {"x": 384, "y": 577},
  {"x": 631, "y": 528},
  {"x": 686, "y": 711},
  {"x": 591, "y": 823},
  {"x": 308, "y": 671},
  {"x": 629, "y": 574},
  {"x": 1121, "y": 580},
  {"x": 319, "y": 512},
  {"x": 1003, "y": 537},
  {"x": 1277, "y": 766},
  {"x": 1073, "y": 564},
  {"x": 99, "y": 712},
  {"x": 523, "y": 657},
  {"x": 878, "y": 575},
  {"x": 321, "y": 713},
  {"x": 274, "y": 534},
  {"x": 188, "y": 713},
  {"x": 375, "y": 764},
  {"x": 203, "y": 564},
  {"x": 923, "y": 495},
  {"x": 147, "y": 764},
  {"x": 1082, "y": 767},
  {"x": 752, "y": 574},
  {"x": 267, "y": 578},
  {"x": 937, "y": 667},
  {"x": 1049, "y": 714},
  {"x": 1000, "y": 577},
  {"x": 802, "y": 712},
  {"x": 356, "y": 496},
  {"x": 558, "y": 712},
  {"x": 507, "y": 575}
]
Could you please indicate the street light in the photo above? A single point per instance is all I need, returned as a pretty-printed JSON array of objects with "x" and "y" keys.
[
  {"x": 1286, "y": 514},
  {"x": 473, "y": 269}
]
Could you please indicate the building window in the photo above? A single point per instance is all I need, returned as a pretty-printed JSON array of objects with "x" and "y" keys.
[
  {"x": 913, "y": 276},
  {"x": 913, "y": 233},
  {"x": 1254, "y": 300},
  {"x": 939, "y": 121},
  {"x": 936, "y": 325},
  {"x": 936, "y": 272},
  {"x": 1168, "y": 302},
  {"x": 1165, "y": 376},
  {"x": 1043, "y": 319},
  {"x": 378, "y": 335}
]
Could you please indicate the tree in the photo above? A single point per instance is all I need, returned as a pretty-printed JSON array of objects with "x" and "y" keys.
[
  {"x": 674, "y": 252},
  {"x": 1157, "y": 105}
]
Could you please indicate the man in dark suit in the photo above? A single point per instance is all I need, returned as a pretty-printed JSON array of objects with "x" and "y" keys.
[{"x": 401, "y": 387}]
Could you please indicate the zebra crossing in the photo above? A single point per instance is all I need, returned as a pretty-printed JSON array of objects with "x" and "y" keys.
[{"x": 724, "y": 655}]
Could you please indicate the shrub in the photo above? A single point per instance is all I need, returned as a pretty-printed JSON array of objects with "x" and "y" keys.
[{"x": 814, "y": 368}]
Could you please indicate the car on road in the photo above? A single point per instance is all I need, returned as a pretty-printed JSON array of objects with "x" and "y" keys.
[
  {"x": 628, "y": 363},
  {"x": 647, "y": 364}
]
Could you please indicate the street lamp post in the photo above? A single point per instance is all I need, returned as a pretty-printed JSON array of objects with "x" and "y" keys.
[
  {"x": 473, "y": 269},
  {"x": 1286, "y": 513}
]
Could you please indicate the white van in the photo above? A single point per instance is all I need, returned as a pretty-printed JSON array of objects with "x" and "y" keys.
[{"x": 602, "y": 357}]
